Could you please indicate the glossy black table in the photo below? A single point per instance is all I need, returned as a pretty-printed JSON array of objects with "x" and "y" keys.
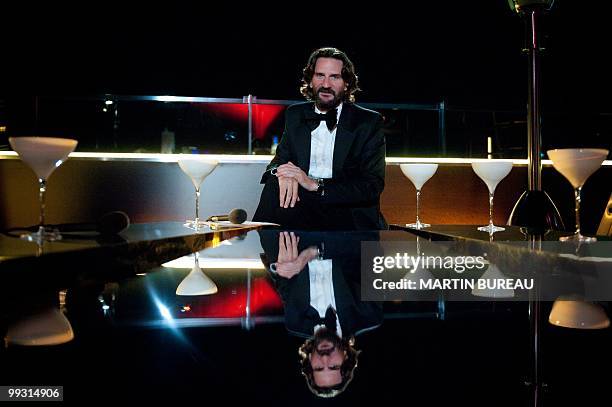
[
  {"x": 136, "y": 339},
  {"x": 138, "y": 248}
]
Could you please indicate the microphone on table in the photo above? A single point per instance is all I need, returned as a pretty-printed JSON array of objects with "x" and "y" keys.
[
  {"x": 111, "y": 223},
  {"x": 235, "y": 216}
]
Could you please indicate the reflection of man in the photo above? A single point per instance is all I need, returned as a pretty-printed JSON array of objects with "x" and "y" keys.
[
  {"x": 328, "y": 362},
  {"x": 318, "y": 278},
  {"x": 329, "y": 168}
]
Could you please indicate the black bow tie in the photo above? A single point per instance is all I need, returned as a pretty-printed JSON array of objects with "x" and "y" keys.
[
  {"x": 329, "y": 320},
  {"x": 313, "y": 119}
]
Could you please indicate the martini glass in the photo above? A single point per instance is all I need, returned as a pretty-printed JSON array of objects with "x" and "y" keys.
[
  {"x": 197, "y": 169},
  {"x": 420, "y": 273},
  {"x": 43, "y": 155},
  {"x": 196, "y": 282},
  {"x": 491, "y": 172},
  {"x": 47, "y": 327},
  {"x": 492, "y": 274},
  {"x": 577, "y": 165},
  {"x": 419, "y": 174},
  {"x": 573, "y": 311}
]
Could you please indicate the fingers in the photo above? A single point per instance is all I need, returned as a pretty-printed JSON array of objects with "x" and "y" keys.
[
  {"x": 295, "y": 193},
  {"x": 311, "y": 253},
  {"x": 288, "y": 245},
  {"x": 285, "y": 191},
  {"x": 289, "y": 195},
  {"x": 295, "y": 247},
  {"x": 288, "y": 192},
  {"x": 292, "y": 240},
  {"x": 290, "y": 170},
  {"x": 282, "y": 245},
  {"x": 288, "y": 165}
]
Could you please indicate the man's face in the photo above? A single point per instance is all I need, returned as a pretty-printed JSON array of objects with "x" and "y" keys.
[
  {"x": 327, "y": 83},
  {"x": 326, "y": 361}
]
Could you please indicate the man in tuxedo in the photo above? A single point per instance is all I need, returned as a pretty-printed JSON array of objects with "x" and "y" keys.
[{"x": 329, "y": 168}]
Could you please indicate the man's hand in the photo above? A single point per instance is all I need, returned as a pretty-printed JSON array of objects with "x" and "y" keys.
[
  {"x": 288, "y": 188},
  {"x": 290, "y": 170},
  {"x": 289, "y": 262}
]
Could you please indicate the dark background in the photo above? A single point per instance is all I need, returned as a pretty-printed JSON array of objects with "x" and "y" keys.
[{"x": 467, "y": 54}]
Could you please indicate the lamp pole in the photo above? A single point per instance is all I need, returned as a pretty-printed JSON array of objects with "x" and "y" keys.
[
  {"x": 534, "y": 209},
  {"x": 534, "y": 137}
]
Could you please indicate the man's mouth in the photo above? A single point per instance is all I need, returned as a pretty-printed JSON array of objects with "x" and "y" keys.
[
  {"x": 325, "y": 346},
  {"x": 324, "y": 352}
]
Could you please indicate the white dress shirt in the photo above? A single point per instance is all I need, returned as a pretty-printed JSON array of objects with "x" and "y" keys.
[
  {"x": 322, "y": 149},
  {"x": 322, "y": 289}
]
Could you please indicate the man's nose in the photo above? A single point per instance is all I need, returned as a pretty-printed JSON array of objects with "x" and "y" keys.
[{"x": 326, "y": 83}]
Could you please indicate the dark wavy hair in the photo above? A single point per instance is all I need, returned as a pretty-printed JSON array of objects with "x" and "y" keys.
[
  {"x": 347, "y": 369},
  {"x": 348, "y": 73}
]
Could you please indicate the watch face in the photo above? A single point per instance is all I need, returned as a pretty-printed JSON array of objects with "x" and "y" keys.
[{"x": 320, "y": 185}]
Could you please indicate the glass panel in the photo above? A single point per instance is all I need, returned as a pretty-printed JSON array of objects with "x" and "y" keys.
[
  {"x": 411, "y": 133},
  {"x": 153, "y": 124},
  {"x": 468, "y": 132},
  {"x": 268, "y": 125}
]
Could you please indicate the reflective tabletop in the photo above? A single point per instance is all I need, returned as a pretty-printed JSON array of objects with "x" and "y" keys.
[{"x": 236, "y": 322}]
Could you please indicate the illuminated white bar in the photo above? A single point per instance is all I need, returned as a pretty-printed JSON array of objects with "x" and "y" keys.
[{"x": 263, "y": 159}]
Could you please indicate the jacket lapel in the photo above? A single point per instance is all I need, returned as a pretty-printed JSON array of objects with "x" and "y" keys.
[
  {"x": 302, "y": 141},
  {"x": 344, "y": 138}
]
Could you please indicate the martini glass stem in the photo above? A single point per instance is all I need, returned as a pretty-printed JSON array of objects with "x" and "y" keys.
[
  {"x": 491, "y": 210},
  {"x": 197, "y": 207},
  {"x": 418, "y": 204},
  {"x": 577, "y": 196},
  {"x": 42, "y": 191}
]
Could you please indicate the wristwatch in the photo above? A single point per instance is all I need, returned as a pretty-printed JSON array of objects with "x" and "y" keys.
[
  {"x": 321, "y": 251},
  {"x": 320, "y": 186}
]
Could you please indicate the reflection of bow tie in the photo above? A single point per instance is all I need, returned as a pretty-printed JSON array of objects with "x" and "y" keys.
[
  {"x": 314, "y": 119},
  {"x": 329, "y": 320}
]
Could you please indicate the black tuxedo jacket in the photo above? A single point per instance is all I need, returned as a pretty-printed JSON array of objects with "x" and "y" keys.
[{"x": 358, "y": 162}]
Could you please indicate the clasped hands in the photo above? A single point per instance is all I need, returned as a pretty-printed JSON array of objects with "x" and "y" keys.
[
  {"x": 290, "y": 178},
  {"x": 289, "y": 262}
]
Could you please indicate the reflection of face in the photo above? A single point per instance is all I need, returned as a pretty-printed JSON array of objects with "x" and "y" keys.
[
  {"x": 327, "y": 83},
  {"x": 326, "y": 361}
]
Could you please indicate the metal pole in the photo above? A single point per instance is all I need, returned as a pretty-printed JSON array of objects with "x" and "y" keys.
[
  {"x": 534, "y": 140},
  {"x": 247, "y": 322},
  {"x": 442, "y": 127},
  {"x": 116, "y": 124},
  {"x": 249, "y": 99},
  {"x": 535, "y": 372}
]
